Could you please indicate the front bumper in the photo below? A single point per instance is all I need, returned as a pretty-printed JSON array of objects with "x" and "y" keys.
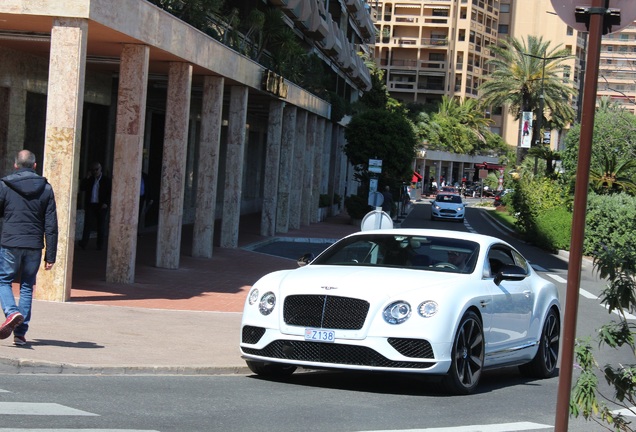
[{"x": 392, "y": 354}]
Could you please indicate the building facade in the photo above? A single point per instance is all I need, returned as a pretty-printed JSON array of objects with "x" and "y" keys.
[{"x": 217, "y": 134}]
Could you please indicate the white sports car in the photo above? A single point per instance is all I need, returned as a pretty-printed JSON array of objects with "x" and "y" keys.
[{"x": 405, "y": 300}]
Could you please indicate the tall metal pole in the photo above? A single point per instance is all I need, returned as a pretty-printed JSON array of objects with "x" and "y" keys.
[{"x": 596, "y": 13}]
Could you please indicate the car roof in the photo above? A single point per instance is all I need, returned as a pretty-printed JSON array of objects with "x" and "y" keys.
[{"x": 482, "y": 239}]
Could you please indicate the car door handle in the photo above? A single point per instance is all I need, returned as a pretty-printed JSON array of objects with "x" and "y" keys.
[{"x": 527, "y": 293}]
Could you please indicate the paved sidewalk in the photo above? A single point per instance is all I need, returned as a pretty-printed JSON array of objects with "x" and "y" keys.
[{"x": 184, "y": 321}]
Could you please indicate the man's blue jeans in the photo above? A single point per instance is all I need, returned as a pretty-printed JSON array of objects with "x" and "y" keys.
[{"x": 24, "y": 263}]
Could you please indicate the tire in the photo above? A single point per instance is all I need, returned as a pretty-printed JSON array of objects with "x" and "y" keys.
[
  {"x": 271, "y": 370},
  {"x": 544, "y": 363},
  {"x": 467, "y": 356}
]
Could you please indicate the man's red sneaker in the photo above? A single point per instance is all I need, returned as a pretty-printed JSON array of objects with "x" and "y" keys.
[{"x": 12, "y": 321}]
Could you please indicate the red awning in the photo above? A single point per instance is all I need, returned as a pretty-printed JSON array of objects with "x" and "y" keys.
[{"x": 416, "y": 177}]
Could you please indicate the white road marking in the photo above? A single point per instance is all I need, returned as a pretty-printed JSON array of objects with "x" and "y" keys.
[
  {"x": 587, "y": 294},
  {"x": 557, "y": 278},
  {"x": 626, "y": 412},
  {"x": 51, "y": 409},
  {"x": 627, "y": 315},
  {"x": 76, "y": 430},
  {"x": 503, "y": 427}
]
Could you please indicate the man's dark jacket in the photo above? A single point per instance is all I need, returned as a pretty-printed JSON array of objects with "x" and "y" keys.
[{"x": 27, "y": 203}]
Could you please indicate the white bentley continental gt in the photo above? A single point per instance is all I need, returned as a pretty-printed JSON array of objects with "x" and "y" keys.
[{"x": 405, "y": 300}]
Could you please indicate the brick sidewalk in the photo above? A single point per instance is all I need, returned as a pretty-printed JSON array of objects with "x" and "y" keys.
[{"x": 217, "y": 284}]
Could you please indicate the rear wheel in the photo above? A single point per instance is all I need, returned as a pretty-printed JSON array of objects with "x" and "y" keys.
[
  {"x": 544, "y": 363},
  {"x": 273, "y": 370},
  {"x": 467, "y": 356}
]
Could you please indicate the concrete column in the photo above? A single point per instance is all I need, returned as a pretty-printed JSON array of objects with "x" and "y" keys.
[
  {"x": 128, "y": 156},
  {"x": 331, "y": 162},
  {"x": 208, "y": 167},
  {"x": 272, "y": 168},
  {"x": 175, "y": 146},
  {"x": 317, "y": 168},
  {"x": 67, "y": 66},
  {"x": 310, "y": 201},
  {"x": 232, "y": 194},
  {"x": 288, "y": 140},
  {"x": 300, "y": 148}
]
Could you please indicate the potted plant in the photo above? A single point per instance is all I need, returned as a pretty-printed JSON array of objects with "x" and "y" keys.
[{"x": 357, "y": 207}]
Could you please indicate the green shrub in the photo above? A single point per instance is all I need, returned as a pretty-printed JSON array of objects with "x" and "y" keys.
[
  {"x": 554, "y": 229},
  {"x": 357, "y": 206},
  {"x": 610, "y": 223}
]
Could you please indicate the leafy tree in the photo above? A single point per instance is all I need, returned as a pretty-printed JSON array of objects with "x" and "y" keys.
[
  {"x": 385, "y": 135},
  {"x": 195, "y": 12},
  {"x": 587, "y": 399},
  {"x": 518, "y": 80},
  {"x": 458, "y": 127},
  {"x": 613, "y": 176},
  {"x": 613, "y": 145}
]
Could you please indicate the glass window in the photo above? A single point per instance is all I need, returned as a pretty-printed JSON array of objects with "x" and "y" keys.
[
  {"x": 503, "y": 29},
  {"x": 504, "y": 8}
]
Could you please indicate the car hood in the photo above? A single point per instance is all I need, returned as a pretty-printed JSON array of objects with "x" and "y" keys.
[{"x": 362, "y": 282}]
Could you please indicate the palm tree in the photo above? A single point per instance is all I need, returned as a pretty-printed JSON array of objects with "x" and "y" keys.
[
  {"x": 522, "y": 72},
  {"x": 613, "y": 176}
]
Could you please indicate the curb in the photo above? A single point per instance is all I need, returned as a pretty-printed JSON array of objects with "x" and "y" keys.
[{"x": 23, "y": 366}]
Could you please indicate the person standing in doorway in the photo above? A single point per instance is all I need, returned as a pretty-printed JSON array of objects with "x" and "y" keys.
[
  {"x": 27, "y": 203},
  {"x": 97, "y": 188}
]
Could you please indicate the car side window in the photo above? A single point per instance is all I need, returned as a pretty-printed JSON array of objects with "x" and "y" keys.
[
  {"x": 497, "y": 258},
  {"x": 520, "y": 261}
]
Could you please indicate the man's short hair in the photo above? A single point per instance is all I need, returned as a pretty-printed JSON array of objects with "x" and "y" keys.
[{"x": 25, "y": 159}]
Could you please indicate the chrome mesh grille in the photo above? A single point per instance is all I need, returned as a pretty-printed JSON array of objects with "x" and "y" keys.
[
  {"x": 414, "y": 348},
  {"x": 325, "y": 311}
]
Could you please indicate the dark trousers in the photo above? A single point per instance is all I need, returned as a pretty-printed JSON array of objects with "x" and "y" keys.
[{"x": 95, "y": 219}]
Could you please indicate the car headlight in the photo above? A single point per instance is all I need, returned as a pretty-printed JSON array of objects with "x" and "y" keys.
[
  {"x": 459, "y": 209},
  {"x": 427, "y": 309},
  {"x": 397, "y": 312},
  {"x": 253, "y": 298},
  {"x": 267, "y": 303}
]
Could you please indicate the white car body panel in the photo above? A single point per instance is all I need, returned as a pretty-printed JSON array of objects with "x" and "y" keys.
[{"x": 512, "y": 313}]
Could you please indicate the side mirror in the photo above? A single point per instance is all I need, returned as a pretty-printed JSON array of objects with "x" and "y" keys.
[
  {"x": 305, "y": 259},
  {"x": 510, "y": 272}
]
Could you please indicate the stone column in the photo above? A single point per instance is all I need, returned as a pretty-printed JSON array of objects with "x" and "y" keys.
[
  {"x": 272, "y": 168},
  {"x": 128, "y": 156},
  {"x": 310, "y": 201},
  {"x": 300, "y": 148},
  {"x": 288, "y": 139},
  {"x": 67, "y": 66},
  {"x": 175, "y": 146},
  {"x": 234, "y": 167},
  {"x": 208, "y": 167},
  {"x": 318, "y": 152},
  {"x": 332, "y": 162}
]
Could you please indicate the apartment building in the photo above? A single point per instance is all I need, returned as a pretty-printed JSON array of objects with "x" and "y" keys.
[
  {"x": 617, "y": 69},
  {"x": 217, "y": 133},
  {"x": 433, "y": 48}
]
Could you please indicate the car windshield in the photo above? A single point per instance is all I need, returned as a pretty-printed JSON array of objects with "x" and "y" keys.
[
  {"x": 404, "y": 251},
  {"x": 454, "y": 199}
]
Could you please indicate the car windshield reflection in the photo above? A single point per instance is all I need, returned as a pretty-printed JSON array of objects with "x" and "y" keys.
[{"x": 403, "y": 251}]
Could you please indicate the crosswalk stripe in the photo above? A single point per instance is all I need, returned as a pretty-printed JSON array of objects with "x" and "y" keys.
[
  {"x": 51, "y": 409},
  {"x": 502, "y": 427},
  {"x": 76, "y": 430},
  {"x": 557, "y": 278}
]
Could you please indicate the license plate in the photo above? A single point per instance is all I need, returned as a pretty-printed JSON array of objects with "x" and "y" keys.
[{"x": 320, "y": 335}]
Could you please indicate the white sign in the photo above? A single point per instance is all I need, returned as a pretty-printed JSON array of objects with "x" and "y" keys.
[
  {"x": 375, "y": 165},
  {"x": 526, "y": 129}
]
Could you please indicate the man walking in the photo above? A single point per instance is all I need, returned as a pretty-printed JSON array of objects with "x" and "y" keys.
[{"x": 27, "y": 203}]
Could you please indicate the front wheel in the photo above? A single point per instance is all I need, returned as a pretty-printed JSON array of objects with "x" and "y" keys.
[
  {"x": 272, "y": 370},
  {"x": 544, "y": 363},
  {"x": 467, "y": 356}
]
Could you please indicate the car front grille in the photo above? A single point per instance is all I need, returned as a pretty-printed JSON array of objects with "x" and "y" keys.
[
  {"x": 252, "y": 335},
  {"x": 448, "y": 212},
  {"x": 331, "y": 353},
  {"x": 325, "y": 311},
  {"x": 414, "y": 348}
]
